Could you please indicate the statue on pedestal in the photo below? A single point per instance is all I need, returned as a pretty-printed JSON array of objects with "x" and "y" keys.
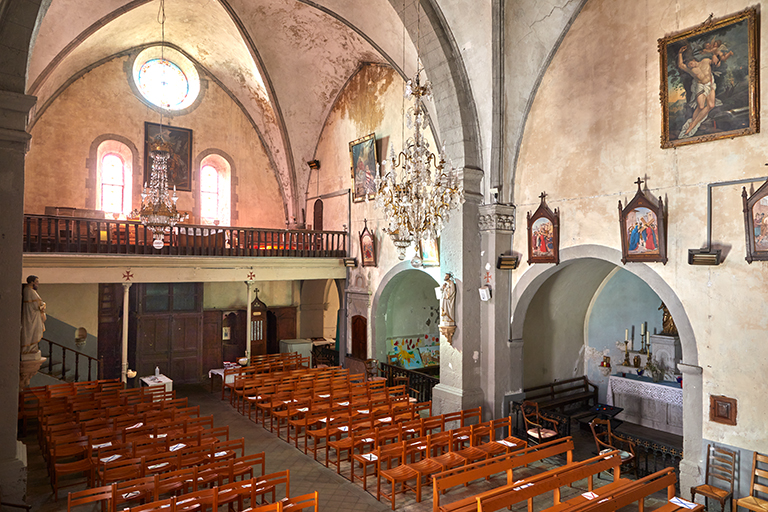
[
  {"x": 447, "y": 307},
  {"x": 668, "y": 326},
  {"x": 32, "y": 327}
]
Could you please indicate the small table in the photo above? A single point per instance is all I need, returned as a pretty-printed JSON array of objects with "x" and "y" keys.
[
  {"x": 602, "y": 411},
  {"x": 158, "y": 380},
  {"x": 220, "y": 373}
]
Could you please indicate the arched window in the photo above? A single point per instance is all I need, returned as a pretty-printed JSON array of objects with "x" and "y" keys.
[
  {"x": 114, "y": 178},
  {"x": 215, "y": 201}
]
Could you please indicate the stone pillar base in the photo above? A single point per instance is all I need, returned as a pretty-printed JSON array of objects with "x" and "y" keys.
[
  {"x": 28, "y": 366},
  {"x": 13, "y": 476},
  {"x": 447, "y": 399}
]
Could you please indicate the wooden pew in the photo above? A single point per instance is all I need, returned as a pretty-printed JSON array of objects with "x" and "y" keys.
[
  {"x": 552, "y": 480},
  {"x": 563, "y": 392},
  {"x": 501, "y": 464}
]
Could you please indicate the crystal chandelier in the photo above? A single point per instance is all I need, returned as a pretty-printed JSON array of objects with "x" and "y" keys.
[
  {"x": 416, "y": 191},
  {"x": 158, "y": 207}
]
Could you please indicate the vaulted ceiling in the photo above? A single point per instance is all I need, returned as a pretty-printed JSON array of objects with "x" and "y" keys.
[{"x": 284, "y": 61}]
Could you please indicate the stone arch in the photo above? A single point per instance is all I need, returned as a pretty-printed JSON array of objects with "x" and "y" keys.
[
  {"x": 535, "y": 277},
  {"x": 377, "y": 323}
]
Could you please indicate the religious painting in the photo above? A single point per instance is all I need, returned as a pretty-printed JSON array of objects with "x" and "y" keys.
[
  {"x": 544, "y": 234},
  {"x": 362, "y": 152},
  {"x": 709, "y": 81},
  {"x": 179, "y": 163},
  {"x": 367, "y": 247},
  {"x": 756, "y": 223},
  {"x": 643, "y": 229},
  {"x": 430, "y": 254}
]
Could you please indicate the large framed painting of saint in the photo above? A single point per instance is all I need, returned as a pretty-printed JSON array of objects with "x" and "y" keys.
[
  {"x": 362, "y": 153},
  {"x": 179, "y": 163},
  {"x": 643, "y": 229},
  {"x": 709, "y": 81},
  {"x": 756, "y": 223},
  {"x": 544, "y": 234}
]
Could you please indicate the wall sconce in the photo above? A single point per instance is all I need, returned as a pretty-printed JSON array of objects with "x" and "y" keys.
[
  {"x": 485, "y": 293},
  {"x": 350, "y": 262},
  {"x": 81, "y": 335},
  {"x": 507, "y": 262},
  {"x": 703, "y": 256},
  {"x": 130, "y": 374}
]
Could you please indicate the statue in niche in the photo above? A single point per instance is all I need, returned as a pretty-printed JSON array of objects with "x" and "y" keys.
[
  {"x": 448, "y": 300},
  {"x": 668, "y": 326}
]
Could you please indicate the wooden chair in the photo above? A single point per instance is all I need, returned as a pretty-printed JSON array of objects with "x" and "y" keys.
[
  {"x": 396, "y": 474},
  {"x": 442, "y": 450},
  {"x": 758, "y": 483},
  {"x": 371, "y": 369},
  {"x": 168, "y": 505},
  {"x": 83, "y": 466},
  {"x": 538, "y": 427},
  {"x": 607, "y": 441},
  {"x": 93, "y": 495},
  {"x": 305, "y": 501},
  {"x": 720, "y": 466}
]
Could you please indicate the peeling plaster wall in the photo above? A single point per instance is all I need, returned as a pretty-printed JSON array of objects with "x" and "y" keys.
[
  {"x": 235, "y": 295},
  {"x": 101, "y": 102},
  {"x": 594, "y": 128}
]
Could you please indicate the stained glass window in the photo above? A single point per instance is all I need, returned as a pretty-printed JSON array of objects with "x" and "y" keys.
[
  {"x": 163, "y": 83},
  {"x": 112, "y": 183}
]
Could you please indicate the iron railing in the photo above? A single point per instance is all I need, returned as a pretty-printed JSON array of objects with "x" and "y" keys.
[
  {"x": 57, "y": 234},
  {"x": 324, "y": 354},
  {"x": 73, "y": 354},
  {"x": 419, "y": 384}
]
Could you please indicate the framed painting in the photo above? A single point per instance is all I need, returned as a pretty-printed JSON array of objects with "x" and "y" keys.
[
  {"x": 643, "y": 224},
  {"x": 430, "y": 253},
  {"x": 756, "y": 223},
  {"x": 367, "y": 247},
  {"x": 544, "y": 234},
  {"x": 709, "y": 81},
  {"x": 179, "y": 163},
  {"x": 362, "y": 153}
]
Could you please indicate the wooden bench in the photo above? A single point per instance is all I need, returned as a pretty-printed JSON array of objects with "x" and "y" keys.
[
  {"x": 621, "y": 493},
  {"x": 485, "y": 468},
  {"x": 557, "y": 395},
  {"x": 552, "y": 480}
]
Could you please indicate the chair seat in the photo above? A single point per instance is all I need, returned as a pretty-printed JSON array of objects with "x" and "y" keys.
[
  {"x": 545, "y": 433},
  {"x": 712, "y": 491},
  {"x": 624, "y": 455},
  {"x": 450, "y": 460},
  {"x": 400, "y": 473},
  {"x": 752, "y": 503}
]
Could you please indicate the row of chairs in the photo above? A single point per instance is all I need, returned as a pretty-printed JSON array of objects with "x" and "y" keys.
[
  {"x": 719, "y": 480},
  {"x": 276, "y": 363}
]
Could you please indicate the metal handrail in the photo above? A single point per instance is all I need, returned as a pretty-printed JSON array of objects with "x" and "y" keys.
[
  {"x": 77, "y": 354},
  {"x": 420, "y": 384}
]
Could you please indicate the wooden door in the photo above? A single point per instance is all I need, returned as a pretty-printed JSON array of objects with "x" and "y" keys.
[
  {"x": 153, "y": 345},
  {"x": 186, "y": 341},
  {"x": 359, "y": 337},
  {"x": 110, "y": 332},
  {"x": 212, "y": 342},
  {"x": 285, "y": 325}
]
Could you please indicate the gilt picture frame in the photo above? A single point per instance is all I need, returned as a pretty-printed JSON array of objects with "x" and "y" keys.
[
  {"x": 362, "y": 155},
  {"x": 179, "y": 163},
  {"x": 544, "y": 234},
  {"x": 643, "y": 224},
  {"x": 756, "y": 223},
  {"x": 710, "y": 81},
  {"x": 367, "y": 247}
]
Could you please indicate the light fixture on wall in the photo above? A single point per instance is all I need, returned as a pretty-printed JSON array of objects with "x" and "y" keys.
[
  {"x": 417, "y": 190},
  {"x": 158, "y": 206},
  {"x": 507, "y": 262},
  {"x": 350, "y": 262}
]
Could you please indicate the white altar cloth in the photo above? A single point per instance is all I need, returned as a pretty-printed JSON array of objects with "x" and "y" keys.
[{"x": 658, "y": 406}]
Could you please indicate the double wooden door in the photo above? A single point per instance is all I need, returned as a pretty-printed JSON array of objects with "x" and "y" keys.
[{"x": 173, "y": 343}]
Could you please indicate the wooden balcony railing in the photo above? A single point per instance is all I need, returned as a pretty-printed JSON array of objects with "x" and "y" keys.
[{"x": 56, "y": 234}]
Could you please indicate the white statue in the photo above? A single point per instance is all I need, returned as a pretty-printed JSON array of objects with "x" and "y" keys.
[
  {"x": 447, "y": 301},
  {"x": 32, "y": 317}
]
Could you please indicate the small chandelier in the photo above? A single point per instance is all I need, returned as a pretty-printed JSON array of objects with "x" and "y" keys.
[
  {"x": 158, "y": 208},
  {"x": 417, "y": 192}
]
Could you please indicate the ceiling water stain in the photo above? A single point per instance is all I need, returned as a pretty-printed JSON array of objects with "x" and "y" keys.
[{"x": 361, "y": 100}]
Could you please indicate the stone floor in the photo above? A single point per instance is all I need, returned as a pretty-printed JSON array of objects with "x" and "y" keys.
[{"x": 306, "y": 475}]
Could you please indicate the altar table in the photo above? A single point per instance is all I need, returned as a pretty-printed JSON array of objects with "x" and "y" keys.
[{"x": 653, "y": 405}]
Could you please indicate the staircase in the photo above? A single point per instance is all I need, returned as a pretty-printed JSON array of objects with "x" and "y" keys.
[{"x": 68, "y": 365}]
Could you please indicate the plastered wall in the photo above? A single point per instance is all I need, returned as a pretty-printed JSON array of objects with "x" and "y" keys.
[
  {"x": 594, "y": 127},
  {"x": 102, "y": 102},
  {"x": 235, "y": 295}
]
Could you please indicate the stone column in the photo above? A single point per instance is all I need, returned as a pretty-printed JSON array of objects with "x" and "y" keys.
[
  {"x": 248, "y": 313},
  {"x": 126, "y": 313},
  {"x": 497, "y": 225},
  {"x": 14, "y": 139},
  {"x": 461, "y": 368},
  {"x": 692, "y": 465}
]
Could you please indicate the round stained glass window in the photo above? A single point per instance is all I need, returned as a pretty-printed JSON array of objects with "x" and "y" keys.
[{"x": 163, "y": 83}]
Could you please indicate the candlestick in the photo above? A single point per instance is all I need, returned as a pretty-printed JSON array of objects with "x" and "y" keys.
[{"x": 642, "y": 329}]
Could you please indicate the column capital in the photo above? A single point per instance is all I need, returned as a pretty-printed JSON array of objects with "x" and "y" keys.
[
  {"x": 497, "y": 217},
  {"x": 14, "y": 109}
]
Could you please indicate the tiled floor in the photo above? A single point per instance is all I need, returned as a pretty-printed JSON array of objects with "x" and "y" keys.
[{"x": 306, "y": 475}]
